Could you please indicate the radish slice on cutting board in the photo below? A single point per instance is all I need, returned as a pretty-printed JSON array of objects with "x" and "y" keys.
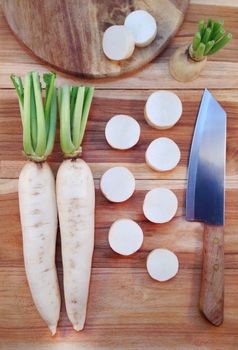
[
  {"x": 122, "y": 132},
  {"x": 162, "y": 264},
  {"x": 162, "y": 154},
  {"x": 163, "y": 109},
  {"x": 125, "y": 236},
  {"x": 118, "y": 43},
  {"x": 117, "y": 184},
  {"x": 143, "y": 27},
  {"x": 160, "y": 205}
]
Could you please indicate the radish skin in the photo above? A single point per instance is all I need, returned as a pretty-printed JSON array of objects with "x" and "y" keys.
[
  {"x": 76, "y": 204},
  {"x": 38, "y": 213}
]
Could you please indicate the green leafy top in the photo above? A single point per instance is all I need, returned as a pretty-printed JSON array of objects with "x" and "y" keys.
[
  {"x": 38, "y": 116},
  {"x": 74, "y": 105},
  {"x": 209, "y": 39}
]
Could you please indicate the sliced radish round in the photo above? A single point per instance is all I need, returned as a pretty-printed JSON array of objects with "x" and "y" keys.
[
  {"x": 163, "y": 109},
  {"x": 125, "y": 236},
  {"x": 160, "y": 205},
  {"x": 122, "y": 132},
  {"x": 118, "y": 43},
  {"x": 143, "y": 27},
  {"x": 162, "y": 154},
  {"x": 117, "y": 184},
  {"x": 162, "y": 264}
]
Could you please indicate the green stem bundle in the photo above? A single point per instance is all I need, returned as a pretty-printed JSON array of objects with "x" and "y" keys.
[
  {"x": 38, "y": 116},
  {"x": 74, "y": 104},
  {"x": 209, "y": 39}
]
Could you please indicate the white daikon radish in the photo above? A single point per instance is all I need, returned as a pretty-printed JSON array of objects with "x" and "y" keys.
[
  {"x": 163, "y": 109},
  {"x": 122, "y": 132},
  {"x": 162, "y": 154},
  {"x": 162, "y": 264},
  {"x": 160, "y": 205},
  {"x": 76, "y": 202},
  {"x": 36, "y": 188},
  {"x": 118, "y": 43},
  {"x": 117, "y": 184},
  {"x": 125, "y": 236},
  {"x": 143, "y": 27}
]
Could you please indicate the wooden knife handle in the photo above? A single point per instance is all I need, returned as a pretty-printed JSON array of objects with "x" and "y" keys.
[{"x": 212, "y": 288}]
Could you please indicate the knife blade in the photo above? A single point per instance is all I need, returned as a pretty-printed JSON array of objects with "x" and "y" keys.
[{"x": 205, "y": 200}]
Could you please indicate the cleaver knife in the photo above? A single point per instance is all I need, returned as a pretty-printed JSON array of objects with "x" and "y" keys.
[{"x": 205, "y": 201}]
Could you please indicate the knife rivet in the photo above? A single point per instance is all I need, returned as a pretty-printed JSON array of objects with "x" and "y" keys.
[
  {"x": 216, "y": 240},
  {"x": 215, "y": 267}
]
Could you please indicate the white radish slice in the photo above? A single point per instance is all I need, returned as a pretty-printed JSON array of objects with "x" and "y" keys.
[
  {"x": 160, "y": 205},
  {"x": 122, "y": 132},
  {"x": 117, "y": 184},
  {"x": 118, "y": 43},
  {"x": 163, "y": 109},
  {"x": 162, "y": 264},
  {"x": 143, "y": 27},
  {"x": 162, "y": 154},
  {"x": 125, "y": 236}
]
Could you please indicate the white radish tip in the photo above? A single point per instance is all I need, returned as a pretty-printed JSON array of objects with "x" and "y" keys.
[
  {"x": 162, "y": 154},
  {"x": 160, "y": 205},
  {"x": 53, "y": 329},
  {"x": 117, "y": 184},
  {"x": 78, "y": 327},
  {"x": 143, "y": 27},
  {"x": 122, "y": 132},
  {"x": 162, "y": 264},
  {"x": 118, "y": 43},
  {"x": 125, "y": 236},
  {"x": 163, "y": 109}
]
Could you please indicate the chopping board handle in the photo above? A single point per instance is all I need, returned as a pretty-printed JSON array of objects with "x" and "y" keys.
[{"x": 212, "y": 288}]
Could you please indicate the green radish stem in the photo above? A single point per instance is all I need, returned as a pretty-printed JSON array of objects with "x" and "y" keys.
[
  {"x": 212, "y": 36},
  {"x": 220, "y": 44},
  {"x": 196, "y": 41},
  {"x": 38, "y": 117},
  {"x": 74, "y": 105}
]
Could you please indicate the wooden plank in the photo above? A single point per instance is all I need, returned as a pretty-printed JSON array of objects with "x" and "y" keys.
[
  {"x": 220, "y": 3},
  {"x": 127, "y": 310},
  {"x": 14, "y": 58},
  {"x": 150, "y": 306},
  {"x": 95, "y": 148},
  {"x": 185, "y": 238}
]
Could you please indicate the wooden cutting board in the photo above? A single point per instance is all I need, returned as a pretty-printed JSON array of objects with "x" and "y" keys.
[{"x": 68, "y": 33}]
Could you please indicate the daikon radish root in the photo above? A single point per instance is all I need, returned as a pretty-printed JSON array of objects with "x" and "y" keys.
[
  {"x": 162, "y": 264},
  {"x": 163, "y": 109},
  {"x": 162, "y": 154},
  {"x": 122, "y": 132},
  {"x": 143, "y": 27},
  {"x": 117, "y": 184},
  {"x": 187, "y": 61},
  {"x": 160, "y": 205},
  {"x": 125, "y": 236},
  {"x": 76, "y": 202},
  {"x": 37, "y": 201},
  {"x": 118, "y": 43}
]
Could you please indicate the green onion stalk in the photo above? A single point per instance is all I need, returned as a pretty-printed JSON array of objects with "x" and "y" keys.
[
  {"x": 38, "y": 115},
  {"x": 74, "y": 104},
  {"x": 187, "y": 62}
]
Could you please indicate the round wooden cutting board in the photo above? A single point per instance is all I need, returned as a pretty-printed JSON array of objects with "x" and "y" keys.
[{"x": 68, "y": 33}]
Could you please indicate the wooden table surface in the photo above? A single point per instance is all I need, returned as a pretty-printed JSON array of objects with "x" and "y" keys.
[{"x": 127, "y": 309}]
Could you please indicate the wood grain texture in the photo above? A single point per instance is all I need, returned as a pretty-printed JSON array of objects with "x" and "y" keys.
[
  {"x": 68, "y": 34},
  {"x": 212, "y": 285},
  {"x": 127, "y": 309},
  {"x": 217, "y": 73}
]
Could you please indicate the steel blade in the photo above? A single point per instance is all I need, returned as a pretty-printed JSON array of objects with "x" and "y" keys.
[{"x": 206, "y": 170}]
